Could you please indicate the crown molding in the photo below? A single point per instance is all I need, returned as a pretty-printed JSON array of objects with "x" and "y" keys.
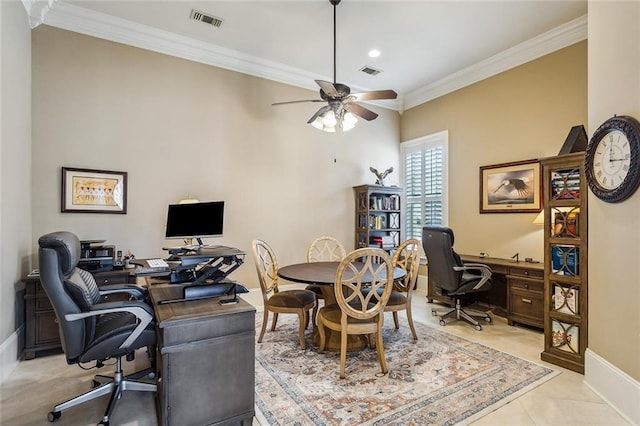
[
  {"x": 560, "y": 37},
  {"x": 37, "y": 10},
  {"x": 96, "y": 24}
]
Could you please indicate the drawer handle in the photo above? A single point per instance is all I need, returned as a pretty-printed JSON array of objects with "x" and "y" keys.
[
  {"x": 526, "y": 301},
  {"x": 526, "y": 272}
]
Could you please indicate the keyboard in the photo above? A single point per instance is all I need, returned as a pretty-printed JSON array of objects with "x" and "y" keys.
[
  {"x": 157, "y": 263},
  {"x": 152, "y": 267}
]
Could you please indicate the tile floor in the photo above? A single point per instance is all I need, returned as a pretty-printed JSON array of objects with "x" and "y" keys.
[{"x": 29, "y": 393}]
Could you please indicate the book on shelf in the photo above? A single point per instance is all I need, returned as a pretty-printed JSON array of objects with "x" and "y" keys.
[
  {"x": 377, "y": 221},
  {"x": 564, "y": 260},
  {"x": 395, "y": 202},
  {"x": 387, "y": 202},
  {"x": 565, "y": 193},
  {"x": 383, "y": 247},
  {"x": 565, "y": 224},
  {"x": 565, "y": 337},
  {"x": 383, "y": 241},
  {"x": 565, "y": 300}
]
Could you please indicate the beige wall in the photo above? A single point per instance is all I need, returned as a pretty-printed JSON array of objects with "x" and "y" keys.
[
  {"x": 15, "y": 160},
  {"x": 521, "y": 114},
  {"x": 614, "y": 229},
  {"x": 182, "y": 129}
]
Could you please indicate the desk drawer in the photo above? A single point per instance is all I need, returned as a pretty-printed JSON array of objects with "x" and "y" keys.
[
  {"x": 526, "y": 307},
  {"x": 528, "y": 273},
  {"x": 517, "y": 283},
  {"x": 186, "y": 332},
  {"x": 112, "y": 277}
]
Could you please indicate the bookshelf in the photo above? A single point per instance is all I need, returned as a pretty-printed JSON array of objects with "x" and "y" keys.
[
  {"x": 565, "y": 261},
  {"x": 378, "y": 216}
]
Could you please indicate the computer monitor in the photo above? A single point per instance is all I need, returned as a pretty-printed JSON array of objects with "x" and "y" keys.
[{"x": 197, "y": 220}]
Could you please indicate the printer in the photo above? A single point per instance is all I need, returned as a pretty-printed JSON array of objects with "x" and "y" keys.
[{"x": 95, "y": 256}]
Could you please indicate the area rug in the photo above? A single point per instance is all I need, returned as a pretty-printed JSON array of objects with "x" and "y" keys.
[{"x": 442, "y": 380}]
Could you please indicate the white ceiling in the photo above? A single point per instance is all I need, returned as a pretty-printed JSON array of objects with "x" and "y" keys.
[{"x": 428, "y": 48}]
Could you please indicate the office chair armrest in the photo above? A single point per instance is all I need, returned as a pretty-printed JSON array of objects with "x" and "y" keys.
[
  {"x": 485, "y": 272},
  {"x": 136, "y": 291},
  {"x": 142, "y": 311}
]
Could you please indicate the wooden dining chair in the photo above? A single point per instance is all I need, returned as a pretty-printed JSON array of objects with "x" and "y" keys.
[
  {"x": 323, "y": 249},
  {"x": 407, "y": 257},
  {"x": 357, "y": 311},
  {"x": 299, "y": 302}
]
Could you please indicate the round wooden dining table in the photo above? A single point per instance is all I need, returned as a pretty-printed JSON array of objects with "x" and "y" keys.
[{"x": 323, "y": 274}]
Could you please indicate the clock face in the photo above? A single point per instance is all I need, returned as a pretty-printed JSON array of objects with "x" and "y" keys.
[{"x": 611, "y": 160}]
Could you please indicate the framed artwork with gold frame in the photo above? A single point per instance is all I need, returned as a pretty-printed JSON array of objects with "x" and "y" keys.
[{"x": 511, "y": 187}]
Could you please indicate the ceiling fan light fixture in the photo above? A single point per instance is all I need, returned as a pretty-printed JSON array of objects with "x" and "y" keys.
[
  {"x": 325, "y": 122},
  {"x": 331, "y": 120},
  {"x": 349, "y": 122},
  {"x": 342, "y": 105}
]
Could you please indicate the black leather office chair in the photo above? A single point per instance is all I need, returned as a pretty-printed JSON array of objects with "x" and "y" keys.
[
  {"x": 451, "y": 277},
  {"x": 90, "y": 330}
]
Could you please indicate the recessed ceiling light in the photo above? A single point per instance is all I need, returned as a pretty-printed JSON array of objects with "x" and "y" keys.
[{"x": 374, "y": 53}]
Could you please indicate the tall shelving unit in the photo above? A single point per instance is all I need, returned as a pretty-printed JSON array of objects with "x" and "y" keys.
[
  {"x": 378, "y": 220},
  {"x": 565, "y": 261}
]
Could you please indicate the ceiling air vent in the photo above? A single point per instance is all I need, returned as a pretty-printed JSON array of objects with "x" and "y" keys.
[
  {"x": 196, "y": 15},
  {"x": 370, "y": 70}
]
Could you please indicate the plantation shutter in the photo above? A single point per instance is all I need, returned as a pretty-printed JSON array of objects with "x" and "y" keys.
[{"x": 424, "y": 164}]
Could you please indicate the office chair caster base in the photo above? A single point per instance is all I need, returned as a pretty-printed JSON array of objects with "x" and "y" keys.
[
  {"x": 478, "y": 327},
  {"x": 53, "y": 416},
  {"x": 442, "y": 322},
  {"x": 488, "y": 319}
]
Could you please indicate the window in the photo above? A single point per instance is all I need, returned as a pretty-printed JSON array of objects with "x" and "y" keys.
[{"x": 424, "y": 170}]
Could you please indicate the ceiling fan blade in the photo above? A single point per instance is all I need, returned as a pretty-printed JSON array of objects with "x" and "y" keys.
[
  {"x": 373, "y": 95},
  {"x": 328, "y": 88},
  {"x": 318, "y": 113},
  {"x": 297, "y": 102},
  {"x": 360, "y": 111}
]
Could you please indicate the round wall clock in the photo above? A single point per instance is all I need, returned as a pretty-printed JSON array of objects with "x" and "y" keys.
[{"x": 612, "y": 159}]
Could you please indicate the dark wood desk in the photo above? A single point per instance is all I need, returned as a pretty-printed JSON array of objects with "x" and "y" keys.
[
  {"x": 324, "y": 275},
  {"x": 205, "y": 359},
  {"x": 516, "y": 288}
]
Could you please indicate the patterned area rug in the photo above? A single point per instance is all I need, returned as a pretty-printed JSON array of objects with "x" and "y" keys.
[{"x": 443, "y": 380}]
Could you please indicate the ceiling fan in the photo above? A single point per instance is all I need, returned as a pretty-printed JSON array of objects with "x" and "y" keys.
[{"x": 342, "y": 106}]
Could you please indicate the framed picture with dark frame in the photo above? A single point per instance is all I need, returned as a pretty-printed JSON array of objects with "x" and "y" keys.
[
  {"x": 511, "y": 187},
  {"x": 93, "y": 191}
]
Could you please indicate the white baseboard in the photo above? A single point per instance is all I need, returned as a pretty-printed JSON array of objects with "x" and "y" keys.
[
  {"x": 8, "y": 356},
  {"x": 616, "y": 387}
]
